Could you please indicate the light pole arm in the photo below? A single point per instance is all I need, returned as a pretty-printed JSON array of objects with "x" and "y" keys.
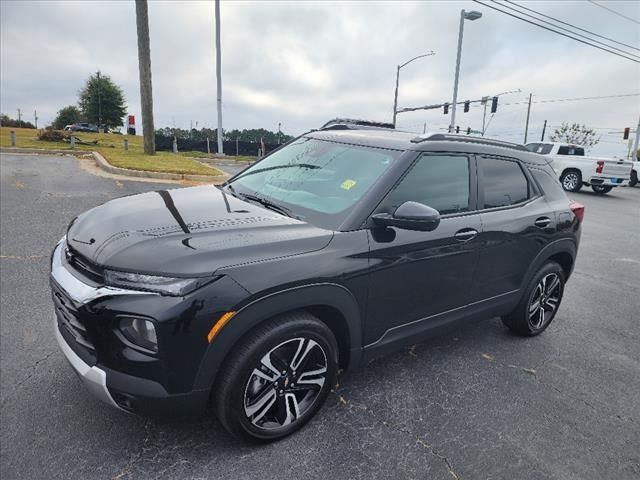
[{"x": 416, "y": 58}]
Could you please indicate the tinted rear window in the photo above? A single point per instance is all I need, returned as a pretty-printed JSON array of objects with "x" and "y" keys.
[{"x": 504, "y": 183}]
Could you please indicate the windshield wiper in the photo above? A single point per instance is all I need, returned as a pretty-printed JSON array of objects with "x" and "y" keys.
[
  {"x": 268, "y": 204},
  {"x": 308, "y": 166}
]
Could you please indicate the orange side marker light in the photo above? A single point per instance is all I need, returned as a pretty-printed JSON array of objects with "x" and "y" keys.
[{"x": 222, "y": 321}]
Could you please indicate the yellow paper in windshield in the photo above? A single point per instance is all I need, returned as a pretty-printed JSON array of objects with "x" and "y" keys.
[{"x": 348, "y": 184}]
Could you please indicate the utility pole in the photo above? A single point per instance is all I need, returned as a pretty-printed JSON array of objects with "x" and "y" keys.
[
  {"x": 526, "y": 127},
  {"x": 635, "y": 143},
  {"x": 35, "y": 117},
  {"x": 144, "y": 66},
  {"x": 219, "y": 77},
  {"x": 544, "y": 129},
  {"x": 99, "y": 101},
  {"x": 19, "y": 115},
  {"x": 484, "y": 113},
  {"x": 278, "y": 133}
]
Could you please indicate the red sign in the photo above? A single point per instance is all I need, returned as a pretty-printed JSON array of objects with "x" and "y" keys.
[{"x": 132, "y": 120}]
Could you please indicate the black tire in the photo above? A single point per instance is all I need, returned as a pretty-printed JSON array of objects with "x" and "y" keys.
[
  {"x": 251, "y": 398},
  {"x": 571, "y": 180},
  {"x": 634, "y": 178},
  {"x": 601, "y": 189},
  {"x": 522, "y": 321}
]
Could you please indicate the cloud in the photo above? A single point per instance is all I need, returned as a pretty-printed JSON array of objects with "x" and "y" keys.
[{"x": 305, "y": 62}]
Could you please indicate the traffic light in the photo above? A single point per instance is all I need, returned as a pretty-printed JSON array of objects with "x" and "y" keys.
[
  {"x": 446, "y": 108},
  {"x": 494, "y": 104},
  {"x": 468, "y": 130},
  {"x": 458, "y": 129},
  {"x": 626, "y": 134},
  {"x": 466, "y": 106}
]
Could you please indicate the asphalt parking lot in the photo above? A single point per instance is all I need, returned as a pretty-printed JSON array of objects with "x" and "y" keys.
[{"x": 478, "y": 403}]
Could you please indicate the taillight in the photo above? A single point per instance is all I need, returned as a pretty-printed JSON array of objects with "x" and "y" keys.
[
  {"x": 600, "y": 166},
  {"x": 578, "y": 210}
]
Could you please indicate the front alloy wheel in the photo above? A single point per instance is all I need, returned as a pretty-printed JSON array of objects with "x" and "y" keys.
[
  {"x": 285, "y": 384},
  {"x": 277, "y": 378}
]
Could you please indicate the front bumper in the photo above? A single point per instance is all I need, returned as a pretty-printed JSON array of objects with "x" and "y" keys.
[
  {"x": 123, "y": 389},
  {"x": 94, "y": 378}
]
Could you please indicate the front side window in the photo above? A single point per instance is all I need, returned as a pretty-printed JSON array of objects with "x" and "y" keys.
[
  {"x": 503, "y": 182},
  {"x": 315, "y": 180},
  {"x": 439, "y": 181}
]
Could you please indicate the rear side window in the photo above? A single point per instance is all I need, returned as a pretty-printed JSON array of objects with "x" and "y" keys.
[
  {"x": 568, "y": 150},
  {"x": 504, "y": 183},
  {"x": 550, "y": 185},
  {"x": 439, "y": 181}
]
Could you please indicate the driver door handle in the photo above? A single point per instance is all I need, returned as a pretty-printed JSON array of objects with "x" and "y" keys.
[
  {"x": 542, "y": 222},
  {"x": 465, "y": 234}
]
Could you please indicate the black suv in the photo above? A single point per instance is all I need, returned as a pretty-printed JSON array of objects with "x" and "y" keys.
[{"x": 342, "y": 245}]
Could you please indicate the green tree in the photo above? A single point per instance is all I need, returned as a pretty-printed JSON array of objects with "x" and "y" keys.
[
  {"x": 66, "y": 116},
  {"x": 575, "y": 134},
  {"x": 102, "y": 101}
]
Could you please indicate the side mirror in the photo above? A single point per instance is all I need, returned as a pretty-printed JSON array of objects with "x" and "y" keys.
[{"x": 410, "y": 216}]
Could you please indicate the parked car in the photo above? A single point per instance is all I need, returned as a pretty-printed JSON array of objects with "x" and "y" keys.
[
  {"x": 339, "y": 247},
  {"x": 82, "y": 127},
  {"x": 575, "y": 169}
]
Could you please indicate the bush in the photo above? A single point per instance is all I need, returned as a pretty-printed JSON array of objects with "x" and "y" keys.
[{"x": 6, "y": 121}]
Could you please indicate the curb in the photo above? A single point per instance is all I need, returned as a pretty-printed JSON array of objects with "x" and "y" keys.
[{"x": 103, "y": 164}]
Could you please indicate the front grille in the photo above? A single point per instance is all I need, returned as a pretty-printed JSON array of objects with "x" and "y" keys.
[
  {"x": 69, "y": 319},
  {"x": 84, "y": 266}
]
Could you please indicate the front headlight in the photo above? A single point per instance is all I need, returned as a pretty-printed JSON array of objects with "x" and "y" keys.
[{"x": 173, "y": 286}]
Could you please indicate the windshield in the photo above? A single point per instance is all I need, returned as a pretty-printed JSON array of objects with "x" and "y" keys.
[{"x": 314, "y": 180}]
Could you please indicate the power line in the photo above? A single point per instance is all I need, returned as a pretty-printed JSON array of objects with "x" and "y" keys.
[
  {"x": 577, "y": 99},
  {"x": 616, "y": 13},
  {"x": 572, "y": 26},
  {"x": 559, "y": 33}
]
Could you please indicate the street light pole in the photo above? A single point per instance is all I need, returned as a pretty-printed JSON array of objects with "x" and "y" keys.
[
  {"x": 219, "y": 77},
  {"x": 473, "y": 15},
  {"x": 395, "y": 98}
]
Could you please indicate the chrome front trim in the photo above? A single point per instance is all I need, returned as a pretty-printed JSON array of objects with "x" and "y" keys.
[
  {"x": 94, "y": 378},
  {"x": 81, "y": 292}
]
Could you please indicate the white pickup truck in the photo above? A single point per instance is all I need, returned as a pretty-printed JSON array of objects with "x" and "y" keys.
[{"x": 575, "y": 169}]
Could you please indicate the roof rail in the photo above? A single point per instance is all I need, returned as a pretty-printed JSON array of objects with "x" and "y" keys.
[
  {"x": 467, "y": 139},
  {"x": 355, "y": 124}
]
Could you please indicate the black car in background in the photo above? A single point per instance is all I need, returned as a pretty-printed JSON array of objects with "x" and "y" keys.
[{"x": 342, "y": 245}]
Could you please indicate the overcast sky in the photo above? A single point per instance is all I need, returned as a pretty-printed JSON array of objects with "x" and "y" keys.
[{"x": 302, "y": 63}]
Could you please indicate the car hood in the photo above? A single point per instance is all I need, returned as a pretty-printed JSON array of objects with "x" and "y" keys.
[{"x": 188, "y": 231}]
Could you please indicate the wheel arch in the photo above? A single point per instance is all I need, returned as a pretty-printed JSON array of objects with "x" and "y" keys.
[
  {"x": 562, "y": 251},
  {"x": 331, "y": 303}
]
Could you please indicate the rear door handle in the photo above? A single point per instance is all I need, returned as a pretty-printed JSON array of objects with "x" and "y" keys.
[
  {"x": 542, "y": 222},
  {"x": 465, "y": 234}
]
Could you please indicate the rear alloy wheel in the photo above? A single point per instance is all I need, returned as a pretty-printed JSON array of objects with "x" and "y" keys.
[
  {"x": 634, "y": 178},
  {"x": 601, "y": 189},
  {"x": 541, "y": 301},
  {"x": 571, "y": 180},
  {"x": 277, "y": 379}
]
